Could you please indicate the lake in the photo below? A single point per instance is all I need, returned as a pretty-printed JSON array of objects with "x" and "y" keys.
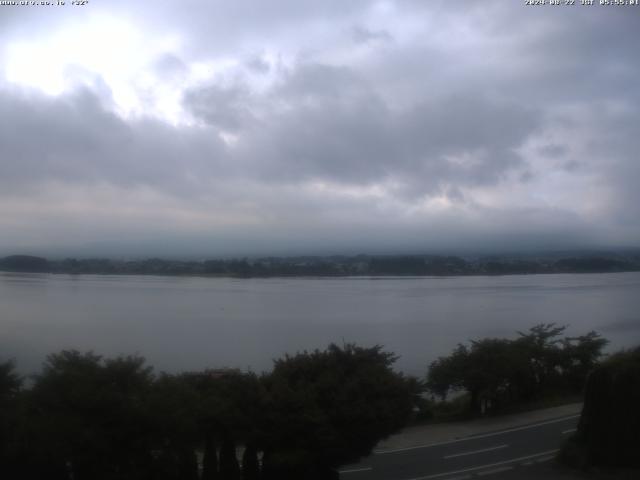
[{"x": 181, "y": 323}]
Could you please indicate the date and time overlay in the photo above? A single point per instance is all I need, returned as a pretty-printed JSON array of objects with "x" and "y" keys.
[
  {"x": 43, "y": 3},
  {"x": 584, "y": 3}
]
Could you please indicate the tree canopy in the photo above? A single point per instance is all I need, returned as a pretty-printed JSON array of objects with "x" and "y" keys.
[
  {"x": 608, "y": 432},
  {"x": 498, "y": 371},
  {"x": 88, "y": 417},
  {"x": 332, "y": 407}
]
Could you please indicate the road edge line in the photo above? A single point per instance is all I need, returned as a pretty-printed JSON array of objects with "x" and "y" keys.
[{"x": 473, "y": 437}]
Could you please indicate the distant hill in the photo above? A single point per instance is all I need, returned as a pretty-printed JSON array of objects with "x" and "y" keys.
[{"x": 24, "y": 263}]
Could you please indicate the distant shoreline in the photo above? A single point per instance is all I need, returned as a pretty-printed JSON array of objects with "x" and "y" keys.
[
  {"x": 311, "y": 277},
  {"x": 359, "y": 266}
]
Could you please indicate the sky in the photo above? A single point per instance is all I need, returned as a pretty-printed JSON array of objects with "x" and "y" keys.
[{"x": 214, "y": 128}]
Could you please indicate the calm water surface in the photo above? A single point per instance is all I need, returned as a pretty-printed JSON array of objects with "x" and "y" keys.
[{"x": 192, "y": 323}]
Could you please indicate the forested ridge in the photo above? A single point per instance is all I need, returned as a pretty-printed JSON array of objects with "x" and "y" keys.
[{"x": 328, "y": 266}]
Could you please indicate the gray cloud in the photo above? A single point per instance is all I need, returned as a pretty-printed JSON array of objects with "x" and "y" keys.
[
  {"x": 73, "y": 139},
  {"x": 491, "y": 124},
  {"x": 223, "y": 107},
  {"x": 169, "y": 65},
  {"x": 364, "y": 35},
  {"x": 336, "y": 128},
  {"x": 553, "y": 150}
]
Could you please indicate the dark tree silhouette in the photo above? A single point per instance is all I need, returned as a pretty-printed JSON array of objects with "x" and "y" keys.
[
  {"x": 89, "y": 415},
  {"x": 210, "y": 459},
  {"x": 328, "y": 408},
  {"x": 484, "y": 370},
  {"x": 250, "y": 464},
  {"x": 10, "y": 445},
  {"x": 497, "y": 372},
  {"x": 608, "y": 433},
  {"x": 609, "y": 426},
  {"x": 90, "y": 418},
  {"x": 229, "y": 466}
]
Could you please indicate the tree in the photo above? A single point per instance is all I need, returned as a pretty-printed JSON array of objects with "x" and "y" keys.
[
  {"x": 10, "y": 386},
  {"x": 230, "y": 403},
  {"x": 250, "y": 464},
  {"x": 90, "y": 415},
  {"x": 229, "y": 466},
  {"x": 580, "y": 356},
  {"x": 10, "y": 381},
  {"x": 489, "y": 373},
  {"x": 210, "y": 459},
  {"x": 173, "y": 410},
  {"x": 328, "y": 408},
  {"x": 485, "y": 370},
  {"x": 496, "y": 371},
  {"x": 446, "y": 374},
  {"x": 87, "y": 417},
  {"x": 541, "y": 346},
  {"x": 608, "y": 432}
]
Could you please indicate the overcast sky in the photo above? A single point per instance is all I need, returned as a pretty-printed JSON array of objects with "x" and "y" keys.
[{"x": 288, "y": 126}]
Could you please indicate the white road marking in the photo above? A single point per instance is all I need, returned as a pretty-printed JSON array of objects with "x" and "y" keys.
[
  {"x": 471, "y": 469},
  {"x": 476, "y": 451},
  {"x": 571, "y": 430},
  {"x": 485, "y": 435},
  {"x": 494, "y": 470},
  {"x": 355, "y": 470}
]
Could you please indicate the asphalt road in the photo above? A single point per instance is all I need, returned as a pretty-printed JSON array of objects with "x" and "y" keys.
[{"x": 502, "y": 453}]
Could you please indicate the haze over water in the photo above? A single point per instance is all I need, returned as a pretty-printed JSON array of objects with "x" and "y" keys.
[{"x": 181, "y": 323}]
